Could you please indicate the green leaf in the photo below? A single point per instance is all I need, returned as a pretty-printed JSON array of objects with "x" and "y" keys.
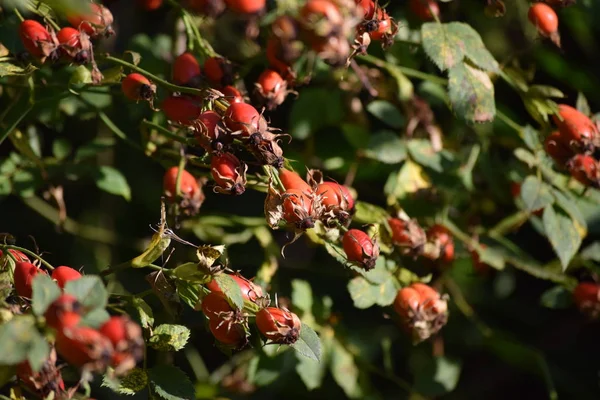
[
  {"x": 142, "y": 312},
  {"x": 562, "y": 234},
  {"x": 112, "y": 181},
  {"x": 471, "y": 93},
  {"x": 315, "y": 108},
  {"x": 167, "y": 337},
  {"x": 310, "y": 371},
  {"x": 61, "y": 148},
  {"x": 367, "y": 213},
  {"x": 302, "y": 296},
  {"x": 535, "y": 194},
  {"x": 582, "y": 104},
  {"x": 231, "y": 289},
  {"x": 94, "y": 147},
  {"x": 308, "y": 344},
  {"x": 357, "y": 135},
  {"x": 544, "y": 91},
  {"x": 7, "y": 373},
  {"x": 135, "y": 381},
  {"x": 448, "y": 44},
  {"x": 387, "y": 113},
  {"x": 591, "y": 252},
  {"x": 531, "y": 137},
  {"x": 189, "y": 292},
  {"x": 171, "y": 383},
  {"x": 95, "y": 318},
  {"x": 191, "y": 273},
  {"x": 8, "y": 69},
  {"x": 557, "y": 297},
  {"x": 423, "y": 153},
  {"x": 44, "y": 292},
  {"x": 568, "y": 203},
  {"x": 387, "y": 147},
  {"x": 366, "y": 294},
  {"x": 344, "y": 370},
  {"x": 39, "y": 352},
  {"x": 17, "y": 337},
  {"x": 437, "y": 376},
  {"x": 89, "y": 291}
]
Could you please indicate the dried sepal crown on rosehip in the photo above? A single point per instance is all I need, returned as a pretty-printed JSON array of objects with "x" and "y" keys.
[{"x": 422, "y": 310}]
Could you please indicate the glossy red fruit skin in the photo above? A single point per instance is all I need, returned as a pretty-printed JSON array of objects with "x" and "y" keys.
[
  {"x": 544, "y": 18},
  {"x": 270, "y": 80},
  {"x": 98, "y": 20},
  {"x": 227, "y": 332},
  {"x": 250, "y": 291},
  {"x": 440, "y": 234},
  {"x": 574, "y": 126},
  {"x": 398, "y": 228},
  {"x": 18, "y": 255},
  {"x": 278, "y": 325},
  {"x": 210, "y": 120},
  {"x": 407, "y": 302},
  {"x": 64, "y": 274},
  {"x": 246, "y": 6},
  {"x": 64, "y": 312},
  {"x": 558, "y": 148},
  {"x": 318, "y": 9},
  {"x": 586, "y": 294},
  {"x": 242, "y": 117},
  {"x": 368, "y": 7},
  {"x": 225, "y": 168},
  {"x": 232, "y": 94},
  {"x": 181, "y": 109},
  {"x": 292, "y": 180},
  {"x": 114, "y": 329},
  {"x": 185, "y": 68},
  {"x": 335, "y": 195},
  {"x": 214, "y": 70},
  {"x": 430, "y": 298},
  {"x": 584, "y": 168},
  {"x": 32, "y": 34},
  {"x": 383, "y": 29},
  {"x": 360, "y": 248},
  {"x": 215, "y": 305},
  {"x": 24, "y": 274},
  {"x": 297, "y": 199},
  {"x": 425, "y": 9},
  {"x": 81, "y": 345},
  {"x": 69, "y": 36},
  {"x": 188, "y": 185},
  {"x": 137, "y": 87}
]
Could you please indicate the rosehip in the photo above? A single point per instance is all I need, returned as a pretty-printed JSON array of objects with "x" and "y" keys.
[
  {"x": 586, "y": 297},
  {"x": 181, "y": 109},
  {"x": 315, "y": 11},
  {"x": 227, "y": 332},
  {"x": 271, "y": 89},
  {"x": 544, "y": 18},
  {"x": 98, "y": 21},
  {"x": 385, "y": 28},
  {"x": 18, "y": 255},
  {"x": 82, "y": 345},
  {"x": 186, "y": 69},
  {"x": 64, "y": 312},
  {"x": 150, "y": 5},
  {"x": 368, "y": 8},
  {"x": 335, "y": 195},
  {"x": 407, "y": 234},
  {"x": 36, "y": 38},
  {"x": 74, "y": 44},
  {"x": 232, "y": 94},
  {"x": 127, "y": 342},
  {"x": 441, "y": 238},
  {"x": 430, "y": 298},
  {"x": 298, "y": 209},
  {"x": 229, "y": 174},
  {"x": 250, "y": 290},
  {"x": 64, "y": 274},
  {"x": 558, "y": 148},
  {"x": 188, "y": 185},
  {"x": 24, "y": 274},
  {"x": 47, "y": 380},
  {"x": 423, "y": 312},
  {"x": 360, "y": 248},
  {"x": 407, "y": 302},
  {"x": 246, "y": 6},
  {"x": 137, "y": 87},
  {"x": 584, "y": 168},
  {"x": 208, "y": 126},
  {"x": 575, "y": 127},
  {"x": 215, "y": 305},
  {"x": 292, "y": 180},
  {"x": 276, "y": 60},
  {"x": 425, "y": 9},
  {"x": 278, "y": 325},
  {"x": 242, "y": 117},
  {"x": 218, "y": 71}
]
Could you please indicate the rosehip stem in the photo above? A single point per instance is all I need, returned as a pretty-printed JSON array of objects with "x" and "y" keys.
[
  {"x": 28, "y": 252},
  {"x": 18, "y": 13}
]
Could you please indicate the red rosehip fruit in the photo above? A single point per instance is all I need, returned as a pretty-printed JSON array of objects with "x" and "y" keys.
[
  {"x": 98, "y": 21},
  {"x": 64, "y": 274},
  {"x": 425, "y": 10},
  {"x": 232, "y": 95},
  {"x": 575, "y": 127},
  {"x": 584, "y": 168},
  {"x": 79, "y": 346},
  {"x": 215, "y": 305},
  {"x": 557, "y": 147},
  {"x": 137, "y": 87},
  {"x": 181, "y": 109},
  {"x": 126, "y": 338},
  {"x": 250, "y": 291},
  {"x": 218, "y": 71},
  {"x": 64, "y": 312},
  {"x": 188, "y": 185},
  {"x": 586, "y": 297},
  {"x": 271, "y": 89},
  {"x": 242, "y": 117},
  {"x": 368, "y": 8},
  {"x": 292, "y": 180},
  {"x": 544, "y": 18},
  {"x": 334, "y": 195},
  {"x": 186, "y": 69},
  {"x": 209, "y": 124},
  {"x": 407, "y": 302},
  {"x": 227, "y": 332},
  {"x": 442, "y": 239},
  {"x": 246, "y": 6},
  {"x": 298, "y": 209},
  {"x": 278, "y": 325},
  {"x": 360, "y": 248},
  {"x": 150, "y": 5},
  {"x": 18, "y": 255},
  {"x": 229, "y": 174},
  {"x": 23, "y": 278},
  {"x": 36, "y": 38}
]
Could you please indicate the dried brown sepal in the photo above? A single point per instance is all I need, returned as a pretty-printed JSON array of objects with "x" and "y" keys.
[
  {"x": 47, "y": 380},
  {"x": 231, "y": 185},
  {"x": 265, "y": 148},
  {"x": 427, "y": 319},
  {"x": 273, "y": 207},
  {"x": 190, "y": 205}
]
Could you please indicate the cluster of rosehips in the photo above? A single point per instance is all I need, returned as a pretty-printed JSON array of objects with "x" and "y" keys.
[
  {"x": 300, "y": 204},
  {"x": 118, "y": 343},
  {"x": 229, "y": 325},
  {"x": 573, "y": 145},
  {"x": 376, "y": 25},
  {"x": 422, "y": 311},
  {"x": 71, "y": 42}
]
